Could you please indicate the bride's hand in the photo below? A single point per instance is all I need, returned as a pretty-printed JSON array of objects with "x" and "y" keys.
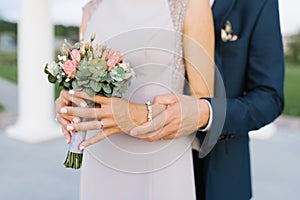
[
  {"x": 65, "y": 99},
  {"x": 183, "y": 116},
  {"x": 111, "y": 115}
]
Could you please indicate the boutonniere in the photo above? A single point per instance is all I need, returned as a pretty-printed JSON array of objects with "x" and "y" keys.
[{"x": 226, "y": 33}]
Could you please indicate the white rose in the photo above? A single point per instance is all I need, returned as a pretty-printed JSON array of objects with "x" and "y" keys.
[
  {"x": 125, "y": 66},
  {"x": 51, "y": 67},
  {"x": 129, "y": 74}
]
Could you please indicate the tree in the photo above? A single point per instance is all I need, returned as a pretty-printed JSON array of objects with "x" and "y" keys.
[{"x": 292, "y": 54}]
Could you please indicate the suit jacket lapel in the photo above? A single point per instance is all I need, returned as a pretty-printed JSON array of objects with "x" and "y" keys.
[{"x": 221, "y": 9}]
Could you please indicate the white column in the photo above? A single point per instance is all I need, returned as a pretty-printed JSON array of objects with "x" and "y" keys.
[{"x": 35, "y": 121}]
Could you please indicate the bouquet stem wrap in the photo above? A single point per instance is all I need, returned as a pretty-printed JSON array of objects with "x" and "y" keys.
[
  {"x": 75, "y": 155},
  {"x": 93, "y": 69}
]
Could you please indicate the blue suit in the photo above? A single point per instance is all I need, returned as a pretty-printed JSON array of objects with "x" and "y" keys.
[{"x": 252, "y": 70}]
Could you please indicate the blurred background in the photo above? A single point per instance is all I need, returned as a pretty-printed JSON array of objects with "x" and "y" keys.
[{"x": 35, "y": 170}]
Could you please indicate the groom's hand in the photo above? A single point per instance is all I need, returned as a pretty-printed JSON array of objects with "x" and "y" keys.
[{"x": 183, "y": 116}]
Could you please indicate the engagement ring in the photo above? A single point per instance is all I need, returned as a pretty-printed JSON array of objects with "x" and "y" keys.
[{"x": 102, "y": 124}]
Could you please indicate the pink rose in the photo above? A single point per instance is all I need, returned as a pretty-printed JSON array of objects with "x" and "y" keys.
[
  {"x": 114, "y": 57},
  {"x": 75, "y": 54},
  {"x": 70, "y": 67}
]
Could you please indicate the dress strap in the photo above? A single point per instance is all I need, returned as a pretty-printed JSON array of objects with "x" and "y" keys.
[
  {"x": 87, "y": 13},
  {"x": 178, "y": 10}
]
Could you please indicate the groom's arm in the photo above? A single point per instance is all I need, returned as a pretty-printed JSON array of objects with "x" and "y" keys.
[{"x": 263, "y": 100}]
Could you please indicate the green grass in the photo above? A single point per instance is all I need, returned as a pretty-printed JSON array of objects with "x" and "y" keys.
[
  {"x": 9, "y": 72},
  {"x": 8, "y": 58},
  {"x": 292, "y": 91},
  {"x": 1, "y": 108}
]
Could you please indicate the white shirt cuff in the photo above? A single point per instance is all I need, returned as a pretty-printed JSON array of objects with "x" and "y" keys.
[{"x": 207, "y": 128}]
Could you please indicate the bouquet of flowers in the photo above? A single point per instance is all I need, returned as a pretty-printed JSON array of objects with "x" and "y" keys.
[{"x": 94, "y": 69}]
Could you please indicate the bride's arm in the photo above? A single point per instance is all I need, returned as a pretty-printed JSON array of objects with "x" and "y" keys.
[
  {"x": 186, "y": 114},
  {"x": 198, "y": 43}
]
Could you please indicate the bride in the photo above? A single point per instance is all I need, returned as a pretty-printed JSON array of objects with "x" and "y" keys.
[{"x": 166, "y": 42}]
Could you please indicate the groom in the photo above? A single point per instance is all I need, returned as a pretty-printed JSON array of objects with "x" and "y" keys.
[{"x": 249, "y": 57}]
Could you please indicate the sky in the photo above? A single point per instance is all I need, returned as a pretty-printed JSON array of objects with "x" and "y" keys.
[{"x": 68, "y": 12}]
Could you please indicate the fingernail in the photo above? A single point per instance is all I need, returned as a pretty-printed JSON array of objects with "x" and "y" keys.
[
  {"x": 132, "y": 133},
  {"x": 70, "y": 128},
  {"x": 63, "y": 110},
  {"x": 83, "y": 104},
  {"x": 81, "y": 148},
  {"x": 76, "y": 120},
  {"x": 67, "y": 141},
  {"x": 71, "y": 92}
]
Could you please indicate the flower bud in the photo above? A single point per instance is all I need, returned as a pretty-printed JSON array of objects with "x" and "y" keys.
[{"x": 93, "y": 37}]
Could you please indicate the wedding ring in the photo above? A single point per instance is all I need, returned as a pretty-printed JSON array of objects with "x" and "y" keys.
[
  {"x": 102, "y": 124},
  {"x": 149, "y": 109},
  {"x": 76, "y": 120}
]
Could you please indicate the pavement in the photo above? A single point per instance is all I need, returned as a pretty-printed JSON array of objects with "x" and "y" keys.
[{"x": 36, "y": 171}]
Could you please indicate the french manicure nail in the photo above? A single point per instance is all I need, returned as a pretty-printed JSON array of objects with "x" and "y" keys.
[
  {"x": 132, "y": 133},
  {"x": 63, "y": 110},
  {"x": 71, "y": 92},
  {"x": 83, "y": 104},
  {"x": 70, "y": 128},
  {"x": 76, "y": 120},
  {"x": 81, "y": 148}
]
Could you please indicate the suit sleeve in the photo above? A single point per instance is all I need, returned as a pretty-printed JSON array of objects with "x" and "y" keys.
[{"x": 263, "y": 99}]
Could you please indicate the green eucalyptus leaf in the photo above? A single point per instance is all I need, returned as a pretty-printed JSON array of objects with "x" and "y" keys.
[
  {"x": 84, "y": 71},
  {"x": 96, "y": 86},
  {"x": 107, "y": 77},
  {"x": 97, "y": 79},
  {"x": 77, "y": 45},
  {"x": 82, "y": 63},
  {"x": 76, "y": 86},
  {"x": 46, "y": 69},
  {"x": 117, "y": 73},
  {"x": 66, "y": 84},
  {"x": 107, "y": 89},
  {"x": 51, "y": 78},
  {"x": 94, "y": 62},
  {"x": 117, "y": 84},
  {"x": 82, "y": 82},
  {"x": 107, "y": 94},
  {"x": 90, "y": 92}
]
